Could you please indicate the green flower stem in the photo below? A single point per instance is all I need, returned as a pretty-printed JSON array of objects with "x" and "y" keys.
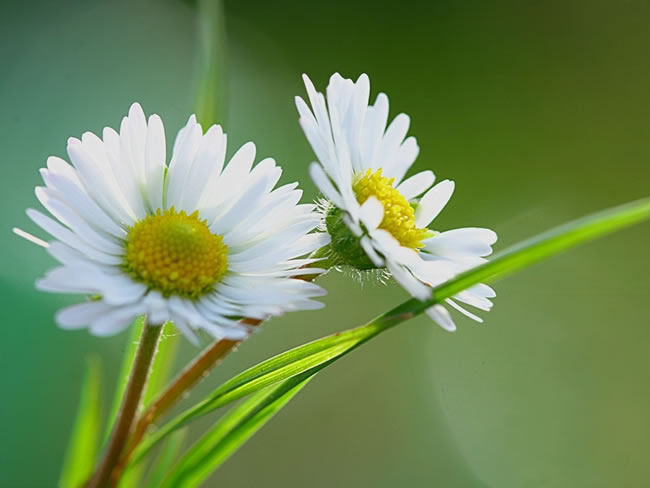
[{"x": 139, "y": 374}]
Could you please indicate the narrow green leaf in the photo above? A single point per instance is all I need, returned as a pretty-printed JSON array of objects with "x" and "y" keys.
[
  {"x": 83, "y": 446},
  {"x": 211, "y": 51},
  {"x": 231, "y": 432},
  {"x": 123, "y": 376},
  {"x": 540, "y": 247},
  {"x": 312, "y": 356},
  {"x": 264, "y": 374},
  {"x": 167, "y": 457}
]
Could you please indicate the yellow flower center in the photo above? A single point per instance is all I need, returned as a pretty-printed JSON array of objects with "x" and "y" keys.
[
  {"x": 399, "y": 215},
  {"x": 175, "y": 253}
]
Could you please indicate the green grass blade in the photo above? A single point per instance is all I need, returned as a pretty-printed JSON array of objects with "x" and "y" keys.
[
  {"x": 83, "y": 447},
  {"x": 210, "y": 79},
  {"x": 543, "y": 246},
  {"x": 312, "y": 356},
  {"x": 264, "y": 374},
  {"x": 166, "y": 458},
  {"x": 231, "y": 432}
]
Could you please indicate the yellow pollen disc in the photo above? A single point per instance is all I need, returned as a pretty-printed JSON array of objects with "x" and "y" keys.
[
  {"x": 399, "y": 215},
  {"x": 175, "y": 253}
]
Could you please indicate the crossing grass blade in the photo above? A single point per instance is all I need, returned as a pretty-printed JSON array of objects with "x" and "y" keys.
[
  {"x": 83, "y": 446},
  {"x": 310, "y": 358},
  {"x": 231, "y": 432},
  {"x": 166, "y": 458}
]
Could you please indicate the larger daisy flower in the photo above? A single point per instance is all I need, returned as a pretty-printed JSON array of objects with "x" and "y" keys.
[
  {"x": 378, "y": 219},
  {"x": 195, "y": 242}
]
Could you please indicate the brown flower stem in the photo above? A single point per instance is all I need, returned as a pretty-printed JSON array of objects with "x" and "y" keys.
[
  {"x": 191, "y": 375},
  {"x": 139, "y": 374}
]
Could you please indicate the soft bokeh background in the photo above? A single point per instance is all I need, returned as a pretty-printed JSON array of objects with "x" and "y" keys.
[{"x": 541, "y": 113}]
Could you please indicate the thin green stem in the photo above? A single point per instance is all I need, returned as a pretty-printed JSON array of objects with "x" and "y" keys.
[{"x": 139, "y": 374}]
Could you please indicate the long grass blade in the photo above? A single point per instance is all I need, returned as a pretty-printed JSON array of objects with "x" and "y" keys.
[
  {"x": 83, "y": 446},
  {"x": 231, "y": 432},
  {"x": 210, "y": 77},
  {"x": 309, "y": 358},
  {"x": 166, "y": 458}
]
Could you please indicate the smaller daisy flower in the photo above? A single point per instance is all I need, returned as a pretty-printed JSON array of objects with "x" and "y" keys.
[
  {"x": 376, "y": 218},
  {"x": 196, "y": 242}
]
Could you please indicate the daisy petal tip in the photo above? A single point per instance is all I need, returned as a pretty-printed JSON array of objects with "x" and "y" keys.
[
  {"x": 441, "y": 316},
  {"x": 135, "y": 110},
  {"x": 308, "y": 83},
  {"x": 29, "y": 237}
]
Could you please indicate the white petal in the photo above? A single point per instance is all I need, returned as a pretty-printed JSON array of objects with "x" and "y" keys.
[
  {"x": 373, "y": 130},
  {"x": 367, "y": 246},
  {"x": 71, "y": 257},
  {"x": 433, "y": 202},
  {"x": 157, "y": 310},
  {"x": 116, "y": 320},
  {"x": 372, "y": 213},
  {"x": 207, "y": 166},
  {"x": 324, "y": 184},
  {"x": 440, "y": 315},
  {"x": 82, "y": 314},
  {"x": 416, "y": 184},
  {"x": 463, "y": 311},
  {"x": 241, "y": 206},
  {"x": 482, "y": 290},
  {"x": 67, "y": 187},
  {"x": 235, "y": 174},
  {"x": 185, "y": 148},
  {"x": 121, "y": 289},
  {"x": 474, "y": 300},
  {"x": 403, "y": 159},
  {"x": 98, "y": 175},
  {"x": 155, "y": 162},
  {"x": 392, "y": 141},
  {"x": 353, "y": 225},
  {"x": 64, "y": 235},
  {"x": 411, "y": 284},
  {"x": 29, "y": 237},
  {"x": 462, "y": 242},
  {"x": 78, "y": 225}
]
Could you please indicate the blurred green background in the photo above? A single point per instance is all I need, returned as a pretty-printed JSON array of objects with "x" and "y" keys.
[{"x": 541, "y": 113}]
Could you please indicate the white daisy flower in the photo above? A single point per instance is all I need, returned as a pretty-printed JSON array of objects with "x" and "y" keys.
[
  {"x": 195, "y": 242},
  {"x": 378, "y": 219}
]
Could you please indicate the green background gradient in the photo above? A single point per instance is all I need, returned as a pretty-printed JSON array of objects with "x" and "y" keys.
[{"x": 540, "y": 111}]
